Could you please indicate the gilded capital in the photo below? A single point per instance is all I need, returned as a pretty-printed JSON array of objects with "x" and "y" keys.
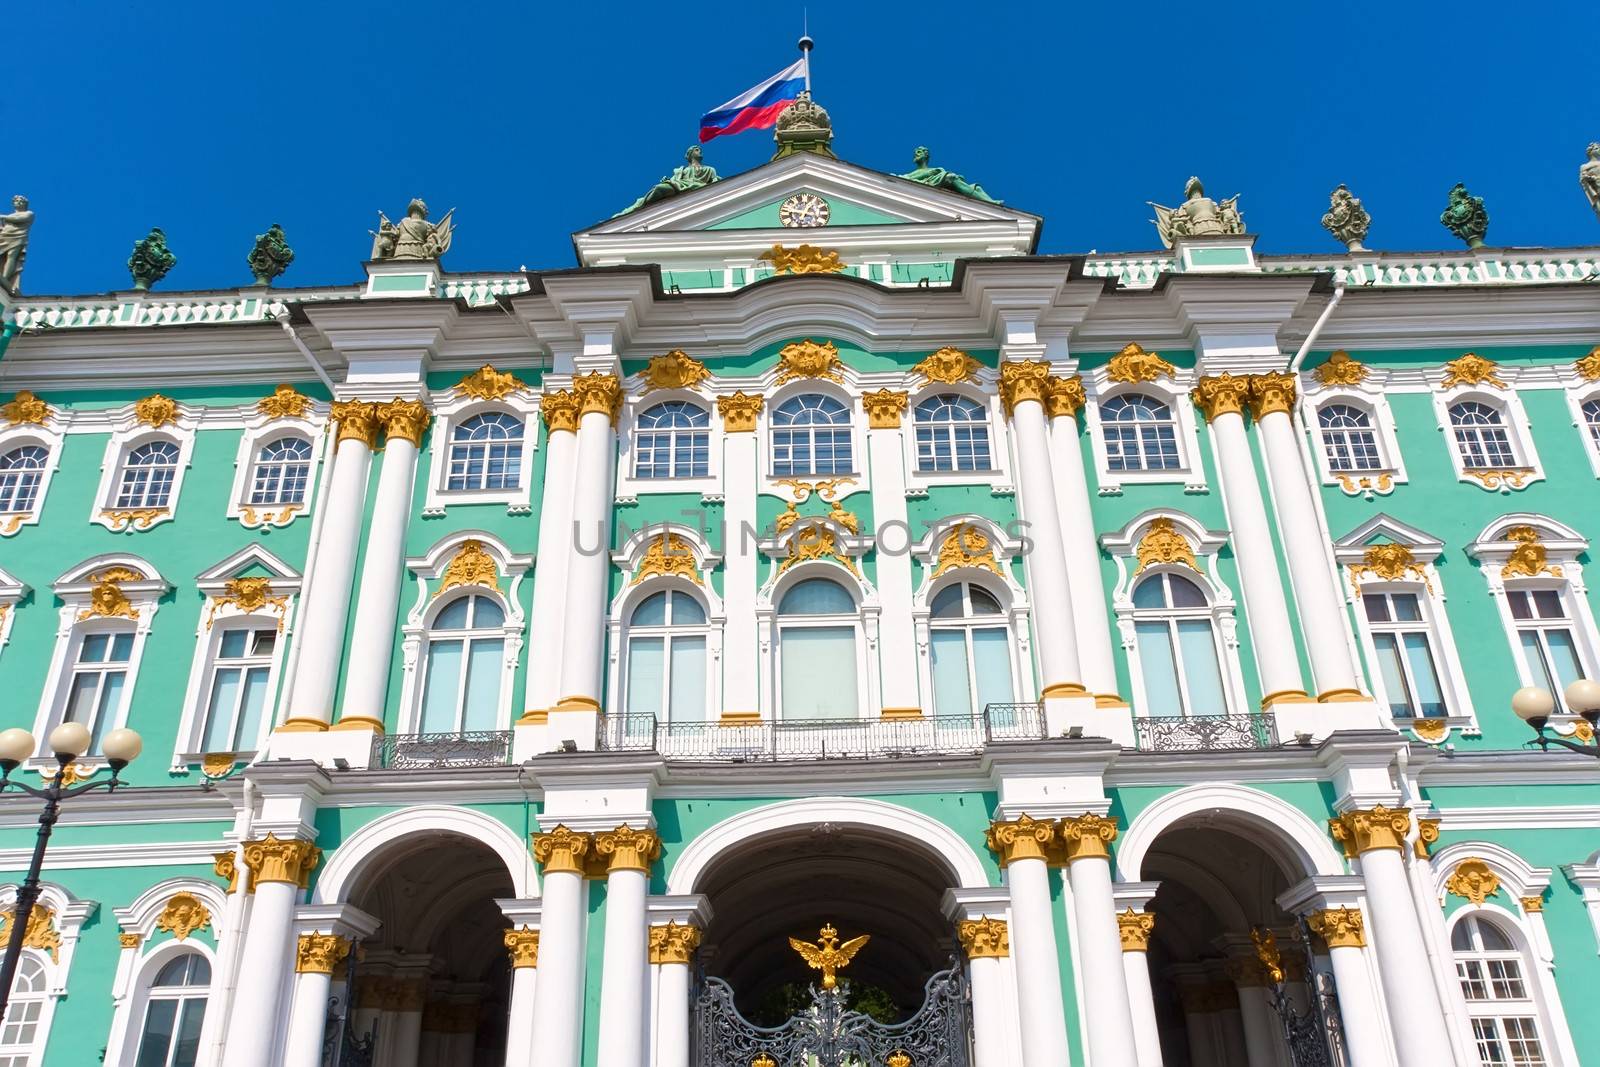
[
  {"x": 406, "y": 419},
  {"x": 598, "y": 393},
  {"x": 739, "y": 412},
  {"x": 560, "y": 411},
  {"x": 1271, "y": 393},
  {"x": 223, "y": 865},
  {"x": 1064, "y": 396},
  {"x": 1221, "y": 394},
  {"x": 1087, "y": 836},
  {"x": 1427, "y": 834},
  {"x": 562, "y": 850},
  {"x": 1339, "y": 927},
  {"x": 673, "y": 943},
  {"x": 1022, "y": 380},
  {"x": 320, "y": 953},
  {"x": 357, "y": 420},
  {"x": 627, "y": 849},
  {"x": 274, "y": 860},
  {"x": 523, "y": 947},
  {"x": 1135, "y": 928},
  {"x": 1362, "y": 831},
  {"x": 884, "y": 408},
  {"x": 986, "y": 938},
  {"x": 1022, "y": 838}
]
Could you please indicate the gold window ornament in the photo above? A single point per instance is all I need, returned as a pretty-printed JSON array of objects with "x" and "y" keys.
[
  {"x": 1473, "y": 880},
  {"x": 1340, "y": 369},
  {"x": 184, "y": 914},
  {"x": 284, "y": 403},
  {"x": 966, "y": 545},
  {"x": 1588, "y": 367},
  {"x": 471, "y": 565},
  {"x": 948, "y": 365},
  {"x": 668, "y": 555},
  {"x": 40, "y": 932},
  {"x": 1134, "y": 364},
  {"x": 248, "y": 595},
  {"x": 1390, "y": 562},
  {"x": 674, "y": 370},
  {"x": 1163, "y": 543},
  {"x": 1529, "y": 558},
  {"x": 106, "y": 598},
  {"x": 26, "y": 409},
  {"x": 1471, "y": 369},
  {"x": 155, "y": 410},
  {"x": 486, "y": 383},
  {"x": 808, "y": 359}
]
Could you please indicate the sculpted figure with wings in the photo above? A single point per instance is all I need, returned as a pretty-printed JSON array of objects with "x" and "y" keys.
[{"x": 827, "y": 955}]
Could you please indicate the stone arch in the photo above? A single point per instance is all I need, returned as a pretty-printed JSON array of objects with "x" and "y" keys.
[
  {"x": 1284, "y": 832},
  {"x": 352, "y": 859}
]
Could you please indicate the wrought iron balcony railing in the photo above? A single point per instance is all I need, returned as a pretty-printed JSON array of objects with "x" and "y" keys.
[
  {"x": 477, "y": 748},
  {"x": 1205, "y": 733}
]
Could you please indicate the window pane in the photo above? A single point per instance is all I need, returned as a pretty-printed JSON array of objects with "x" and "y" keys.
[
  {"x": 1519, "y": 604},
  {"x": 817, "y": 596},
  {"x": 646, "y": 675},
  {"x": 233, "y": 644},
  {"x": 1377, "y": 606},
  {"x": 688, "y": 701},
  {"x": 1394, "y": 677},
  {"x": 1564, "y": 658},
  {"x": 159, "y": 1023},
  {"x": 1185, "y": 594},
  {"x": 219, "y": 714},
  {"x": 991, "y": 661},
  {"x": 486, "y": 613},
  {"x": 121, "y": 647},
  {"x": 454, "y": 615},
  {"x": 1533, "y": 656},
  {"x": 951, "y": 693},
  {"x": 983, "y": 602},
  {"x": 444, "y": 678},
  {"x": 1159, "y": 668},
  {"x": 246, "y": 737},
  {"x": 1200, "y": 667},
  {"x": 94, "y": 648},
  {"x": 110, "y": 704},
  {"x": 1406, "y": 608},
  {"x": 1150, "y": 593},
  {"x": 81, "y": 700},
  {"x": 652, "y": 612},
  {"x": 482, "y": 704},
  {"x": 194, "y": 1014},
  {"x": 686, "y": 610},
  {"x": 1424, "y": 675},
  {"x": 1547, "y": 604},
  {"x": 819, "y": 671}
]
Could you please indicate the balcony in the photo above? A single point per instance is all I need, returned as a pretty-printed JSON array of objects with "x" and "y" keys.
[
  {"x": 482, "y": 748},
  {"x": 1206, "y": 733}
]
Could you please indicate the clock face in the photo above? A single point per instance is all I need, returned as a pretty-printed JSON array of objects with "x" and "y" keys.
[{"x": 803, "y": 210}]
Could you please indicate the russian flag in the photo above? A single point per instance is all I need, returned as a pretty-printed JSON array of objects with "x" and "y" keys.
[{"x": 756, "y": 109}]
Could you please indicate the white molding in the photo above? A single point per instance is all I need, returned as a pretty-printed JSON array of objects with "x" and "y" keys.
[
  {"x": 1282, "y": 830},
  {"x": 639, "y": 401},
  {"x": 633, "y": 592},
  {"x": 1579, "y": 393},
  {"x": 355, "y": 854},
  {"x": 1513, "y": 417},
  {"x": 450, "y": 409},
  {"x": 127, "y": 434},
  {"x": 984, "y": 391},
  {"x": 1173, "y": 391},
  {"x": 1372, "y": 397},
  {"x": 50, "y": 436},
  {"x": 1530, "y": 817},
  {"x": 1527, "y": 931},
  {"x": 261, "y": 430}
]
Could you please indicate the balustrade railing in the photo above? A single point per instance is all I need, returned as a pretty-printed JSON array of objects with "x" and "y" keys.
[
  {"x": 475, "y": 748},
  {"x": 1205, "y": 733}
]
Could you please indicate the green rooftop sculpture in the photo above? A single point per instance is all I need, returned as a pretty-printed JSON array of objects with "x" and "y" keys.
[
  {"x": 940, "y": 178},
  {"x": 151, "y": 259},
  {"x": 1465, "y": 216},
  {"x": 1346, "y": 219},
  {"x": 1588, "y": 177},
  {"x": 271, "y": 255},
  {"x": 692, "y": 175}
]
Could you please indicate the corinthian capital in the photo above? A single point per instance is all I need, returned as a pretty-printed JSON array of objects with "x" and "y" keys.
[
  {"x": 1022, "y": 838},
  {"x": 405, "y": 419},
  {"x": 274, "y": 860},
  {"x": 320, "y": 953},
  {"x": 627, "y": 849},
  {"x": 673, "y": 943},
  {"x": 986, "y": 938},
  {"x": 1221, "y": 394},
  {"x": 1022, "y": 380},
  {"x": 1366, "y": 830},
  {"x": 357, "y": 420},
  {"x": 598, "y": 392},
  {"x": 562, "y": 850},
  {"x": 523, "y": 947},
  {"x": 1271, "y": 393},
  {"x": 1339, "y": 927},
  {"x": 1065, "y": 396},
  {"x": 1135, "y": 928},
  {"x": 1087, "y": 836}
]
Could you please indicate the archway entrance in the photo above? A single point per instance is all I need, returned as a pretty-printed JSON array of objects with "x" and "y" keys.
[{"x": 433, "y": 986}]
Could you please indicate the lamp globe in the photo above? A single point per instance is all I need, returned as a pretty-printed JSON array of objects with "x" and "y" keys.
[
  {"x": 1583, "y": 696},
  {"x": 16, "y": 745},
  {"x": 70, "y": 739},
  {"x": 1533, "y": 705},
  {"x": 122, "y": 746}
]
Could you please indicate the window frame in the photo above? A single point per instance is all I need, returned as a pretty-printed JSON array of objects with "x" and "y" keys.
[
  {"x": 1581, "y": 393},
  {"x": 1370, "y": 399},
  {"x": 48, "y": 437},
  {"x": 466, "y": 635},
  {"x": 1171, "y": 617},
  {"x": 1006, "y": 619},
  {"x": 769, "y": 626},
  {"x": 629, "y": 486},
  {"x": 1519, "y": 434},
  {"x": 628, "y": 560},
  {"x": 832, "y": 621},
  {"x": 33, "y": 1050},
  {"x": 1173, "y": 391},
  {"x": 450, "y": 410},
  {"x": 141, "y": 963},
  {"x": 261, "y": 430},
  {"x": 667, "y": 632},
  {"x": 127, "y": 435},
  {"x": 69, "y": 914},
  {"x": 12, "y": 592},
  {"x": 851, "y": 426},
  {"x": 981, "y": 392}
]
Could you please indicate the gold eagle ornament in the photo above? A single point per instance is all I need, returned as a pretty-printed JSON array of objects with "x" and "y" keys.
[{"x": 827, "y": 955}]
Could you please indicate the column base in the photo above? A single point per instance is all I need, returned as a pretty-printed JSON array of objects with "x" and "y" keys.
[
  {"x": 1318, "y": 719},
  {"x": 1081, "y": 715},
  {"x": 352, "y": 744},
  {"x": 740, "y": 718},
  {"x": 1109, "y": 700},
  {"x": 358, "y": 722},
  {"x": 1285, "y": 696},
  {"x": 1342, "y": 696},
  {"x": 899, "y": 714},
  {"x": 299, "y": 725}
]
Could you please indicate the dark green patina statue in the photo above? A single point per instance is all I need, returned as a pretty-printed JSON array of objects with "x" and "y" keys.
[
  {"x": 692, "y": 175},
  {"x": 940, "y": 178},
  {"x": 151, "y": 259},
  {"x": 1465, "y": 216},
  {"x": 271, "y": 255}
]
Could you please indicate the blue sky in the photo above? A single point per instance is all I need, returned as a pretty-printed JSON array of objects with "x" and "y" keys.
[{"x": 537, "y": 119}]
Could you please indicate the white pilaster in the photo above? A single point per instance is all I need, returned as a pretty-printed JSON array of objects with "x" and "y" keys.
[
  {"x": 548, "y": 621},
  {"x": 324, "y": 937},
  {"x": 1022, "y": 845},
  {"x": 1358, "y": 1007},
  {"x": 741, "y": 666},
  {"x": 276, "y": 867},
  {"x": 519, "y": 1035},
  {"x": 582, "y": 653},
  {"x": 1135, "y": 926},
  {"x": 897, "y": 638},
  {"x": 1416, "y": 1017}
]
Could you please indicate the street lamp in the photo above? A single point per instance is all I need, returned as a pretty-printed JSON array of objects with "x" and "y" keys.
[
  {"x": 67, "y": 742},
  {"x": 1534, "y": 706}
]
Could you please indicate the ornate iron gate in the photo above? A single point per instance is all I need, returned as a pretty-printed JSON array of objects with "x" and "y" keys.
[
  {"x": 828, "y": 1035},
  {"x": 1315, "y": 1034}
]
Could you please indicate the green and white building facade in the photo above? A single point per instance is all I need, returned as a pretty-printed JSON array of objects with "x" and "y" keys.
[{"x": 521, "y": 656}]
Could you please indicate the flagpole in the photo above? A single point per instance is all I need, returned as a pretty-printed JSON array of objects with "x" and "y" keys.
[{"x": 805, "y": 57}]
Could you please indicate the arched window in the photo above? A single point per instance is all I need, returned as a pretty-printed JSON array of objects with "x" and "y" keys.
[
  {"x": 1348, "y": 438},
  {"x": 99, "y": 678},
  {"x": 21, "y": 471},
  {"x": 283, "y": 467},
  {"x": 1591, "y": 420},
  {"x": 20, "y": 1033},
  {"x": 970, "y": 650},
  {"x": 486, "y": 452},
  {"x": 465, "y": 655},
  {"x": 673, "y": 440},
  {"x": 1481, "y": 436},
  {"x": 811, "y": 435},
  {"x": 174, "y": 1012},
  {"x": 1177, "y": 646},
  {"x": 817, "y": 652},
  {"x": 952, "y": 434},
  {"x": 1500, "y": 996},
  {"x": 147, "y": 476},
  {"x": 1140, "y": 434},
  {"x": 667, "y": 658},
  {"x": 237, "y": 689}
]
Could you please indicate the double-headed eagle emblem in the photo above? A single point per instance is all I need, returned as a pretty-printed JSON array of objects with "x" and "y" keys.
[{"x": 827, "y": 955}]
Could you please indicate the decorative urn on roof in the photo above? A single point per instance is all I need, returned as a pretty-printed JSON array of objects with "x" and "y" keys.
[
  {"x": 151, "y": 259},
  {"x": 803, "y": 126}
]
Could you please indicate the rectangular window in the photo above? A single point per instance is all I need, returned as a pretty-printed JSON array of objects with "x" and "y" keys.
[
  {"x": 99, "y": 676},
  {"x": 688, "y": 696},
  {"x": 819, "y": 672},
  {"x": 1546, "y": 639},
  {"x": 238, "y": 689},
  {"x": 1407, "y": 664}
]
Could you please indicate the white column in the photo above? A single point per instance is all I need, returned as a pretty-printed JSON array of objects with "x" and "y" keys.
[
  {"x": 1222, "y": 399},
  {"x": 230, "y": 947},
  {"x": 628, "y": 854},
  {"x": 1021, "y": 845},
  {"x": 405, "y": 1031},
  {"x": 672, "y": 949},
  {"x": 548, "y": 626},
  {"x": 372, "y": 637},
  {"x": 1344, "y": 932},
  {"x": 1090, "y": 621},
  {"x": 1134, "y": 928},
  {"x": 584, "y": 606},
  {"x": 558, "y": 999},
  {"x": 327, "y": 595},
  {"x": 741, "y": 664},
  {"x": 275, "y": 867},
  {"x": 1322, "y": 612},
  {"x": 1097, "y": 941},
  {"x": 316, "y": 955},
  {"x": 1378, "y": 836},
  {"x": 897, "y": 636},
  {"x": 987, "y": 942},
  {"x": 1262, "y": 1031},
  {"x": 523, "y": 948}
]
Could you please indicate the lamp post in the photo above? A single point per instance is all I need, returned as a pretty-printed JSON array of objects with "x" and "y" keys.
[
  {"x": 67, "y": 742},
  {"x": 1534, "y": 706}
]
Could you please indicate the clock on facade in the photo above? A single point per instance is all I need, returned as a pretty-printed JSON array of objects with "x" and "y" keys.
[{"x": 803, "y": 210}]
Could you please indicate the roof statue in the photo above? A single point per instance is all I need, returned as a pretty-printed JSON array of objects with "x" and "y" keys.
[
  {"x": 414, "y": 237},
  {"x": 151, "y": 259},
  {"x": 1346, "y": 219},
  {"x": 1588, "y": 177},
  {"x": 1198, "y": 215},
  {"x": 803, "y": 126},
  {"x": 1465, "y": 216},
  {"x": 271, "y": 255},
  {"x": 692, "y": 175},
  {"x": 940, "y": 178},
  {"x": 14, "y": 243}
]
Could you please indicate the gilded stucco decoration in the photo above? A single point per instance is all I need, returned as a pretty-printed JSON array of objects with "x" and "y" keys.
[
  {"x": 1164, "y": 543},
  {"x": 248, "y": 595},
  {"x": 1339, "y": 927},
  {"x": 132, "y": 518},
  {"x": 598, "y": 393},
  {"x": 522, "y": 946},
  {"x": 130, "y": 939},
  {"x": 155, "y": 410},
  {"x": 1221, "y": 394},
  {"x": 284, "y": 403},
  {"x": 1363, "y": 830},
  {"x": 1271, "y": 393},
  {"x": 357, "y": 420},
  {"x": 1022, "y": 380},
  {"x": 562, "y": 850},
  {"x": 806, "y": 259},
  {"x": 673, "y": 942},
  {"x": 406, "y": 420},
  {"x": 216, "y": 765},
  {"x": 668, "y": 555},
  {"x": 1531, "y": 904},
  {"x": 1512, "y": 478},
  {"x": 1529, "y": 558},
  {"x": 1588, "y": 367},
  {"x": 1022, "y": 838},
  {"x": 40, "y": 934},
  {"x": 1064, "y": 396},
  {"x": 560, "y": 411},
  {"x": 966, "y": 545},
  {"x": 1471, "y": 369},
  {"x": 25, "y": 409},
  {"x": 226, "y": 865},
  {"x": 106, "y": 598},
  {"x": 826, "y": 488},
  {"x": 184, "y": 914},
  {"x": 471, "y": 565},
  {"x": 1135, "y": 928},
  {"x": 320, "y": 953},
  {"x": 1341, "y": 370},
  {"x": 820, "y": 541},
  {"x": 1427, "y": 834},
  {"x": 884, "y": 408},
  {"x": 1390, "y": 562},
  {"x": 739, "y": 412},
  {"x": 675, "y": 370},
  {"x": 985, "y": 938},
  {"x": 285, "y": 860},
  {"x": 70, "y": 775},
  {"x": 949, "y": 365},
  {"x": 1134, "y": 364},
  {"x": 1430, "y": 730},
  {"x": 808, "y": 359},
  {"x": 1087, "y": 836},
  {"x": 1473, "y": 880},
  {"x": 1269, "y": 959},
  {"x": 486, "y": 383}
]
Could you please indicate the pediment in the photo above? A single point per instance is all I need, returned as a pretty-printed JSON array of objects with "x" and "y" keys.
[{"x": 252, "y": 561}]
